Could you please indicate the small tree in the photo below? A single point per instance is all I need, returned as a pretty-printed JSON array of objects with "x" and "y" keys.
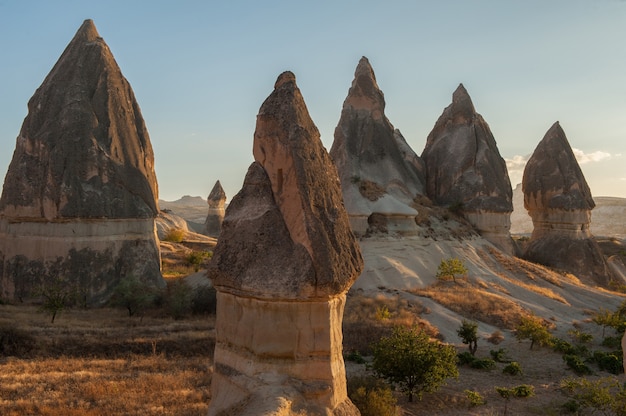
[
  {"x": 132, "y": 294},
  {"x": 523, "y": 390},
  {"x": 468, "y": 332},
  {"x": 56, "y": 294},
  {"x": 449, "y": 268},
  {"x": 533, "y": 328},
  {"x": 411, "y": 360},
  {"x": 604, "y": 318}
]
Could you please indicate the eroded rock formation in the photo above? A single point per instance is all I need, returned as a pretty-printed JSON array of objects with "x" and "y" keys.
[
  {"x": 285, "y": 259},
  {"x": 464, "y": 170},
  {"x": 380, "y": 174},
  {"x": 80, "y": 195},
  {"x": 215, "y": 217},
  {"x": 559, "y": 202}
]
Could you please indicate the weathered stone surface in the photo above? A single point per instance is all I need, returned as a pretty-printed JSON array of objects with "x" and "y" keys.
[
  {"x": 82, "y": 177},
  {"x": 215, "y": 216},
  {"x": 380, "y": 173},
  {"x": 283, "y": 263},
  {"x": 464, "y": 168},
  {"x": 559, "y": 202}
]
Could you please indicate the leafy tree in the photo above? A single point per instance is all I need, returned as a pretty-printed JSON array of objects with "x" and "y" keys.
[
  {"x": 56, "y": 294},
  {"x": 533, "y": 328},
  {"x": 132, "y": 294},
  {"x": 468, "y": 332},
  {"x": 411, "y": 360},
  {"x": 604, "y": 318},
  {"x": 606, "y": 395},
  {"x": 449, "y": 268},
  {"x": 523, "y": 390}
]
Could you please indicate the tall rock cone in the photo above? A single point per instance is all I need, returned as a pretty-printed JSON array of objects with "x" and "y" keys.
[
  {"x": 284, "y": 261},
  {"x": 381, "y": 175},
  {"x": 215, "y": 216},
  {"x": 464, "y": 169},
  {"x": 80, "y": 195},
  {"x": 559, "y": 202}
]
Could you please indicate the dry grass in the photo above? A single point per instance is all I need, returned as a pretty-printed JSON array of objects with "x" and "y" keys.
[
  {"x": 367, "y": 319},
  {"x": 96, "y": 362},
  {"x": 474, "y": 303}
]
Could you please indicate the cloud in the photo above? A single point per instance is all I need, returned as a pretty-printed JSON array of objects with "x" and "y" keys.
[{"x": 596, "y": 156}]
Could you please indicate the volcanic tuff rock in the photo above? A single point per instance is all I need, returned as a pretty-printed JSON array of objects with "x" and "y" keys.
[
  {"x": 559, "y": 202},
  {"x": 81, "y": 180},
  {"x": 285, "y": 259},
  {"x": 464, "y": 168},
  {"x": 216, "y": 201},
  {"x": 380, "y": 174}
]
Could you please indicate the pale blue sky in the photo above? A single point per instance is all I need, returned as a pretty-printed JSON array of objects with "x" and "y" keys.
[{"x": 201, "y": 69}]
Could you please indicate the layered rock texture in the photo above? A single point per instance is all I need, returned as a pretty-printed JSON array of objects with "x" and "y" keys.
[
  {"x": 215, "y": 216},
  {"x": 380, "y": 174},
  {"x": 285, "y": 259},
  {"x": 559, "y": 202},
  {"x": 80, "y": 195},
  {"x": 464, "y": 170}
]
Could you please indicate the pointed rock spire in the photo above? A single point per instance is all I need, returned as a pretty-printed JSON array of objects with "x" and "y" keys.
[
  {"x": 282, "y": 266},
  {"x": 379, "y": 171},
  {"x": 81, "y": 188},
  {"x": 83, "y": 150},
  {"x": 217, "y": 196},
  {"x": 559, "y": 202},
  {"x": 215, "y": 216},
  {"x": 464, "y": 168},
  {"x": 553, "y": 178}
]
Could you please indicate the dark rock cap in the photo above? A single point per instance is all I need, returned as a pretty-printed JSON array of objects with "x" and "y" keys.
[
  {"x": 286, "y": 233},
  {"x": 367, "y": 146},
  {"x": 552, "y": 177},
  {"x": 463, "y": 164},
  {"x": 217, "y": 196},
  {"x": 83, "y": 150}
]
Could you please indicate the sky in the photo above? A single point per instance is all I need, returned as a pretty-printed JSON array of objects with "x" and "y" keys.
[{"x": 200, "y": 71}]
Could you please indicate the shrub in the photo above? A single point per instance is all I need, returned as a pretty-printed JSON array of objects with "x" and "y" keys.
[
  {"x": 577, "y": 364},
  {"x": 474, "y": 398},
  {"x": 496, "y": 337},
  {"x": 371, "y": 396},
  {"x": 523, "y": 390},
  {"x": 383, "y": 313},
  {"x": 411, "y": 360},
  {"x": 197, "y": 258},
  {"x": 513, "y": 369},
  {"x": 499, "y": 356},
  {"x": 175, "y": 235},
  {"x": 355, "y": 356},
  {"x": 468, "y": 332},
  {"x": 15, "y": 341},
  {"x": 611, "y": 362},
  {"x": 204, "y": 300},
  {"x": 579, "y": 336},
  {"x": 612, "y": 342},
  {"x": 465, "y": 357},
  {"x": 483, "y": 364},
  {"x": 133, "y": 295},
  {"x": 606, "y": 395}
]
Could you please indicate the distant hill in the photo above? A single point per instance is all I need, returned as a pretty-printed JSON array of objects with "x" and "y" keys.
[
  {"x": 192, "y": 208},
  {"x": 608, "y": 218}
]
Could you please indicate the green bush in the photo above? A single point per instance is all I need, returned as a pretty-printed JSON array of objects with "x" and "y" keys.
[
  {"x": 606, "y": 395},
  {"x": 577, "y": 364},
  {"x": 475, "y": 398},
  {"x": 579, "y": 336},
  {"x": 464, "y": 358},
  {"x": 611, "y": 362},
  {"x": 355, "y": 357},
  {"x": 524, "y": 390},
  {"x": 449, "y": 268},
  {"x": 513, "y": 369},
  {"x": 499, "y": 355},
  {"x": 175, "y": 235},
  {"x": 372, "y": 396},
  {"x": 198, "y": 258},
  {"x": 483, "y": 364}
]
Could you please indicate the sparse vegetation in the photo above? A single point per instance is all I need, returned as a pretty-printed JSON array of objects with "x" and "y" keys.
[
  {"x": 450, "y": 268},
  {"x": 372, "y": 396},
  {"x": 521, "y": 391},
  {"x": 606, "y": 395},
  {"x": 409, "y": 359},
  {"x": 475, "y": 398},
  {"x": 175, "y": 235},
  {"x": 513, "y": 369},
  {"x": 197, "y": 259}
]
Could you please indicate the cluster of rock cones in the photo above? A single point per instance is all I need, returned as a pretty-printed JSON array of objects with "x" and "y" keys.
[{"x": 80, "y": 199}]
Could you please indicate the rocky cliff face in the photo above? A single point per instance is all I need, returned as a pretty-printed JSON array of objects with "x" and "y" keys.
[
  {"x": 215, "y": 216},
  {"x": 380, "y": 174},
  {"x": 559, "y": 202},
  {"x": 283, "y": 264},
  {"x": 81, "y": 180},
  {"x": 464, "y": 169}
]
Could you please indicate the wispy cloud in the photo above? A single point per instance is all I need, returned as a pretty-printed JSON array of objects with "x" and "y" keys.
[{"x": 596, "y": 156}]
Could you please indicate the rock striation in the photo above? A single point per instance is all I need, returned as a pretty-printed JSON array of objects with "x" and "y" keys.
[
  {"x": 559, "y": 202},
  {"x": 381, "y": 175},
  {"x": 464, "y": 170},
  {"x": 215, "y": 217},
  {"x": 80, "y": 195},
  {"x": 285, "y": 259}
]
